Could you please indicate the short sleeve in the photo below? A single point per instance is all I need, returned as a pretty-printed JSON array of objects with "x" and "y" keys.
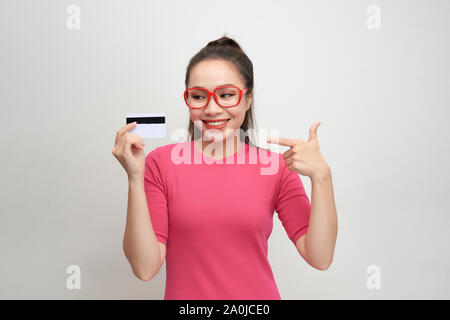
[
  {"x": 292, "y": 203},
  {"x": 156, "y": 193}
]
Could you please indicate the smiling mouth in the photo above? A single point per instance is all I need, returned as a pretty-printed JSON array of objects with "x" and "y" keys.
[{"x": 215, "y": 123}]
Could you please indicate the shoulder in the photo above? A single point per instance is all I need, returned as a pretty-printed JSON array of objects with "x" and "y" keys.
[{"x": 270, "y": 162}]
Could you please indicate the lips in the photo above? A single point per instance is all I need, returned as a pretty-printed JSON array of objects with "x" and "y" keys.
[{"x": 216, "y": 126}]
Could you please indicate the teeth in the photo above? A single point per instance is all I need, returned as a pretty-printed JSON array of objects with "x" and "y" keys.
[{"x": 217, "y": 123}]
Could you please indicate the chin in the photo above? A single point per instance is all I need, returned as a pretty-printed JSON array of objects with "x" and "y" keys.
[
  {"x": 218, "y": 136},
  {"x": 212, "y": 137}
]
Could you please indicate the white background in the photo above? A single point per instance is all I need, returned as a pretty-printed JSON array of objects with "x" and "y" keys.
[{"x": 382, "y": 96}]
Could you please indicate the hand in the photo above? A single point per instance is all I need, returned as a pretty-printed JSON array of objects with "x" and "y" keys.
[
  {"x": 304, "y": 157},
  {"x": 129, "y": 150}
]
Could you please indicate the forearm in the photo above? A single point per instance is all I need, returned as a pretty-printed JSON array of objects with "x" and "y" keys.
[
  {"x": 321, "y": 237},
  {"x": 140, "y": 244}
]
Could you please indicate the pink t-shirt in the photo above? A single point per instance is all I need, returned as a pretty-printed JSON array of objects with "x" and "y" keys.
[{"x": 215, "y": 218}]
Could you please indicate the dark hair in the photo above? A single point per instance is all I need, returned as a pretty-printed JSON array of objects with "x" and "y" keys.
[{"x": 227, "y": 49}]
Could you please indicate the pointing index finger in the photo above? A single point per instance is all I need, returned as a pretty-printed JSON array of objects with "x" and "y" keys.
[
  {"x": 282, "y": 141},
  {"x": 126, "y": 128}
]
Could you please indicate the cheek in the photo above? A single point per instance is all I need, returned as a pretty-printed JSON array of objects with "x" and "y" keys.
[
  {"x": 195, "y": 118},
  {"x": 194, "y": 115},
  {"x": 239, "y": 116}
]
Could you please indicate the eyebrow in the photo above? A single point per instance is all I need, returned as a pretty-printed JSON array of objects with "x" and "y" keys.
[{"x": 226, "y": 84}]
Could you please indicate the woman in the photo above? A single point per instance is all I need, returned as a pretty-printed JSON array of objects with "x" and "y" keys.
[{"x": 213, "y": 218}]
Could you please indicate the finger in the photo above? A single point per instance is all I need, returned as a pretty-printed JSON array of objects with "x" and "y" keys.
[
  {"x": 121, "y": 146},
  {"x": 290, "y": 161},
  {"x": 130, "y": 145},
  {"x": 136, "y": 142},
  {"x": 125, "y": 147},
  {"x": 287, "y": 154},
  {"x": 293, "y": 167},
  {"x": 282, "y": 141},
  {"x": 133, "y": 140},
  {"x": 313, "y": 131},
  {"x": 126, "y": 128}
]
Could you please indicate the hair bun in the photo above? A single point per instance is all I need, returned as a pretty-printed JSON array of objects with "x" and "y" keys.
[{"x": 224, "y": 42}]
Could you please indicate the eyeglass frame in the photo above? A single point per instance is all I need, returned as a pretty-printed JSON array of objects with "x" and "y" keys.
[{"x": 241, "y": 93}]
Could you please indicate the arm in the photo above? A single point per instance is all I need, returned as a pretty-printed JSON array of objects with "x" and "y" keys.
[
  {"x": 141, "y": 247},
  {"x": 317, "y": 245}
]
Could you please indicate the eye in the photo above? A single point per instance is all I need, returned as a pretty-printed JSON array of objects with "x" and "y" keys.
[{"x": 227, "y": 94}]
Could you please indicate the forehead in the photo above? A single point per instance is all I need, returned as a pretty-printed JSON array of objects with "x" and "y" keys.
[{"x": 213, "y": 73}]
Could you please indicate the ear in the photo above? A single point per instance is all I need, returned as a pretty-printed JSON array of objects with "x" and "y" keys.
[{"x": 249, "y": 101}]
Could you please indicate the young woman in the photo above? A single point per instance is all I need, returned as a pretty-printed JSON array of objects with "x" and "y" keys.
[{"x": 211, "y": 220}]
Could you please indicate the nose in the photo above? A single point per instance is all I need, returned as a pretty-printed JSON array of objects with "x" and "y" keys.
[{"x": 212, "y": 107}]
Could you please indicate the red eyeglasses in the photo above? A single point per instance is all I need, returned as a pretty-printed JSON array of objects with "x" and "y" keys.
[{"x": 225, "y": 96}]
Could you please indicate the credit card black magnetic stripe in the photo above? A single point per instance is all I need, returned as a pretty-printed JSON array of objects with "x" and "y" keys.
[{"x": 147, "y": 120}]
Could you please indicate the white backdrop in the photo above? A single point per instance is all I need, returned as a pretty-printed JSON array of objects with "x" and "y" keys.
[{"x": 381, "y": 94}]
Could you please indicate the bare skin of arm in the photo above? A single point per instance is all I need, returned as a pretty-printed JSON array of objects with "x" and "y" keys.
[
  {"x": 143, "y": 251},
  {"x": 318, "y": 244}
]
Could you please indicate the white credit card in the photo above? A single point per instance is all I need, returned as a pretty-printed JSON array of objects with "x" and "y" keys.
[{"x": 149, "y": 125}]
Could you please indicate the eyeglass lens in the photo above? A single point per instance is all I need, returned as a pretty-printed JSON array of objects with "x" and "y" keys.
[{"x": 227, "y": 97}]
